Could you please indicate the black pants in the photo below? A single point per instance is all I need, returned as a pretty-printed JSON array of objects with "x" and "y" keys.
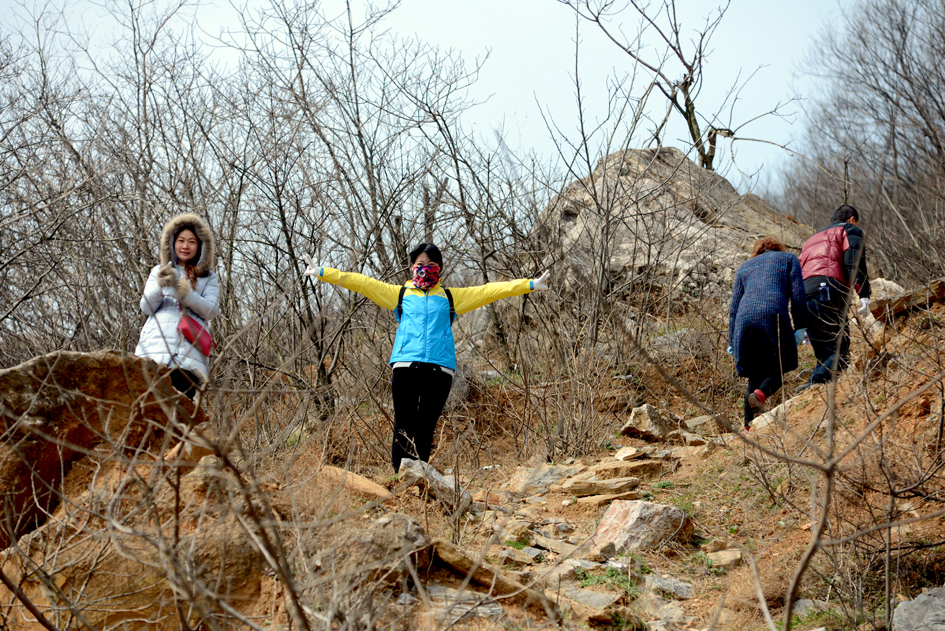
[
  {"x": 829, "y": 333},
  {"x": 420, "y": 392},
  {"x": 185, "y": 382},
  {"x": 768, "y": 385}
]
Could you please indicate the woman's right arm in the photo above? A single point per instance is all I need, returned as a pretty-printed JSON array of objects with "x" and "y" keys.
[
  {"x": 383, "y": 294},
  {"x": 153, "y": 295}
]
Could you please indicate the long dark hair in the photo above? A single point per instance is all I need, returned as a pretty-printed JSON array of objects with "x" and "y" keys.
[{"x": 431, "y": 250}]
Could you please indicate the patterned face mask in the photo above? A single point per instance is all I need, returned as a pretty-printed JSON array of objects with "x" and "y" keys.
[{"x": 426, "y": 276}]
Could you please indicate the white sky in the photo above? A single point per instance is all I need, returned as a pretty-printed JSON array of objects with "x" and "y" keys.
[{"x": 530, "y": 44}]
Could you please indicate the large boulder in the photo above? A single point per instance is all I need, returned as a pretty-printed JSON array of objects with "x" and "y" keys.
[
  {"x": 57, "y": 408},
  {"x": 633, "y": 525},
  {"x": 668, "y": 221}
]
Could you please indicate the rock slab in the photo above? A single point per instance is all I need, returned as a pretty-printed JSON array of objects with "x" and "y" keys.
[{"x": 630, "y": 525}]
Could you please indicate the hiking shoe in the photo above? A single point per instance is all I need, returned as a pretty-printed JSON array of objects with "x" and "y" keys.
[
  {"x": 745, "y": 431},
  {"x": 756, "y": 400},
  {"x": 803, "y": 387}
]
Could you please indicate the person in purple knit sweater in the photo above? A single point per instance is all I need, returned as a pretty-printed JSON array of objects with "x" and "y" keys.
[{"x": 763, "y": 332}]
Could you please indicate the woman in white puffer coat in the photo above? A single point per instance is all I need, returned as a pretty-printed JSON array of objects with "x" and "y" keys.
[{"x": 183, "y": 282}]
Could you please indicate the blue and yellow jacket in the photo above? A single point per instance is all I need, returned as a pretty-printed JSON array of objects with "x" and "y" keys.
[{"x": 424, "y": 333}]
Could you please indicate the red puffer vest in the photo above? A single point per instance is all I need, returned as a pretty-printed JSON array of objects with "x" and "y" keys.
[{"x": 823, "y": 254}]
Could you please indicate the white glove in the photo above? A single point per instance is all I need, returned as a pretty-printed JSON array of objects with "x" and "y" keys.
[
  {"x": 541, "y": 282},
  {"x": 312, "y": 269},
  {"x": 864, "y": 307}
]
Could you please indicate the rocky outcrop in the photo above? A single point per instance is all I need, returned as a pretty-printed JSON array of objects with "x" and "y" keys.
[
  {"x": 57, "y": 408},
  {"x": 666, "y": 220}
]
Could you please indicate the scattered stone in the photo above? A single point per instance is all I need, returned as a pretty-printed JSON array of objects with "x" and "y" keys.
[
  {"x": 420, "y": 473},
  {"x": 926, "y": 612},
  {"x": 589, "y": 598},
  {"x": 882, "y": 289},
  {"x": 725, "y": 559},
  {"x": 536, "y": 499},
  {"x": 648, "y": 423},
  {"x": 512, "y": 556},
  {"x": 630, "y": 453},
  {"x": 495, "y": 498},
  {"x": 687, "y": 438},
  {"x": 533, "y": 552},
  {"x": 707, "y": 425},
  {"x": 637, "y": 525},
  {"x": 498, "y": 582},
  {"x": 660, "y": 614},
  {"x": 449, "y": 605},
  {"x": 558, "y": 547},
  {"x": 537, "y": 480},
  {"x": 567, "y": 503},
  {"x": 583, "y": 488},
  {"x": 622, "y": 469},
  {"x": 514, "y": 530},
  {"x": 600, "y": 500},
  {"x": 666, "y": 585},
  {"x": 684, "y": 343},
  {"x": 529, "y": 512}
]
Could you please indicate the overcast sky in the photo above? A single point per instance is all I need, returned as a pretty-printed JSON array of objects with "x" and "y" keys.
[{"x": 531, "y": 64}]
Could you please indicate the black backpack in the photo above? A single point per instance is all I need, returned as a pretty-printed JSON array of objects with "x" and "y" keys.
[{"x": 400, "y": 304}]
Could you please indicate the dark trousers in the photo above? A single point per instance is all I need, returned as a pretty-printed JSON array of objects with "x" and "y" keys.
[
  {"x": 768, "y": 385},
  {"x": 829, "y": 333},
  {"x": 185, "y": 382},
  {"x": 420, "y": 392}
]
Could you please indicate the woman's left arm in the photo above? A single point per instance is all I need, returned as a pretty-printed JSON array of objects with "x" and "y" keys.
[
  {"x": 798, "y": 296},
  {"x": 466, "y": 299},
  {"x": 206, "y": 304}
]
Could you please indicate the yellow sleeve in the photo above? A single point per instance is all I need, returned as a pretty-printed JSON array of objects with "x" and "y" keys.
[
  {"x": 466, "y": 299},
  {"x": 383, "y": 294}
]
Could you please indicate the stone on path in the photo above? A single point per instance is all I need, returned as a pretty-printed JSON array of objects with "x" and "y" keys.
[
  {"x": 590, "y": 598},
  {"x": 582, "y": 488},
  {"x": 667, "y": 585},
  {"x": 630, "y": 453},
  {"x": 335, "y": 478},
  {"x": 558, "y": 547},
  {"x": 530, "y": 481},
  {"x": 418, "y": 472},
  {"x": 725, "y": 559},
  {"x": 600, "y": 500},
  {"x": 707, "y": 425},
  {"x": 648, "y": 423},
  {"x": 637, "y": 525},
  {"x": 450, "y": 606}
]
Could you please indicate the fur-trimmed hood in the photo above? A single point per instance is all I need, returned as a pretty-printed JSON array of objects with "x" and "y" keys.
[{"x": 200, "y": 228}]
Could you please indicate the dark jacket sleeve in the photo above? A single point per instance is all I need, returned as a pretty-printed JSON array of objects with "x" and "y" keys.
[
  {"x": 854, "y": 260},
  {"x": 798, "y": 296},
  {"x": 733, "y": 309}
]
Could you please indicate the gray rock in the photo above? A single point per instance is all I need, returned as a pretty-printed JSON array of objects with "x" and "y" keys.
[
  {"x": 687, "y": 438},
  {"x": 680, "y": 344},
  {"x": 513, "y": 556},
  {"x": 706, "y": 425},
  {"x": 614, "y": 486},
  {"x": 537, "y": 479},
  {"x": 712, "y": 230},
  {"x": 669, "y": 586},
  {"x": 449, "y": 605},
  {"x": 636, "y": 525},
  {"x": 589, "y": 598},
  {"x": 725, "y": 559},
  {"x": 418, "y": 472},
  {"x": 924, "y": 613},
  {"x": 648, "y": 423},
  {"x": 533, "y": 552},
  {"x": 558, "y": 547}
]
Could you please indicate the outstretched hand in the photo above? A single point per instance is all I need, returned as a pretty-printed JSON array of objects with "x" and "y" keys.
[
  {"x": 312, "y": 269},
  {"x": 542, "y": 281}
]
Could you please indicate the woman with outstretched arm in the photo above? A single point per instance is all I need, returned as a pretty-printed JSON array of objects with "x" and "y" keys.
[{"x": 424, "y": 354}]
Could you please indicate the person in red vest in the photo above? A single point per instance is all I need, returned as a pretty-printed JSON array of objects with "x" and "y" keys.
[{"x": 833, "y": 263}]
